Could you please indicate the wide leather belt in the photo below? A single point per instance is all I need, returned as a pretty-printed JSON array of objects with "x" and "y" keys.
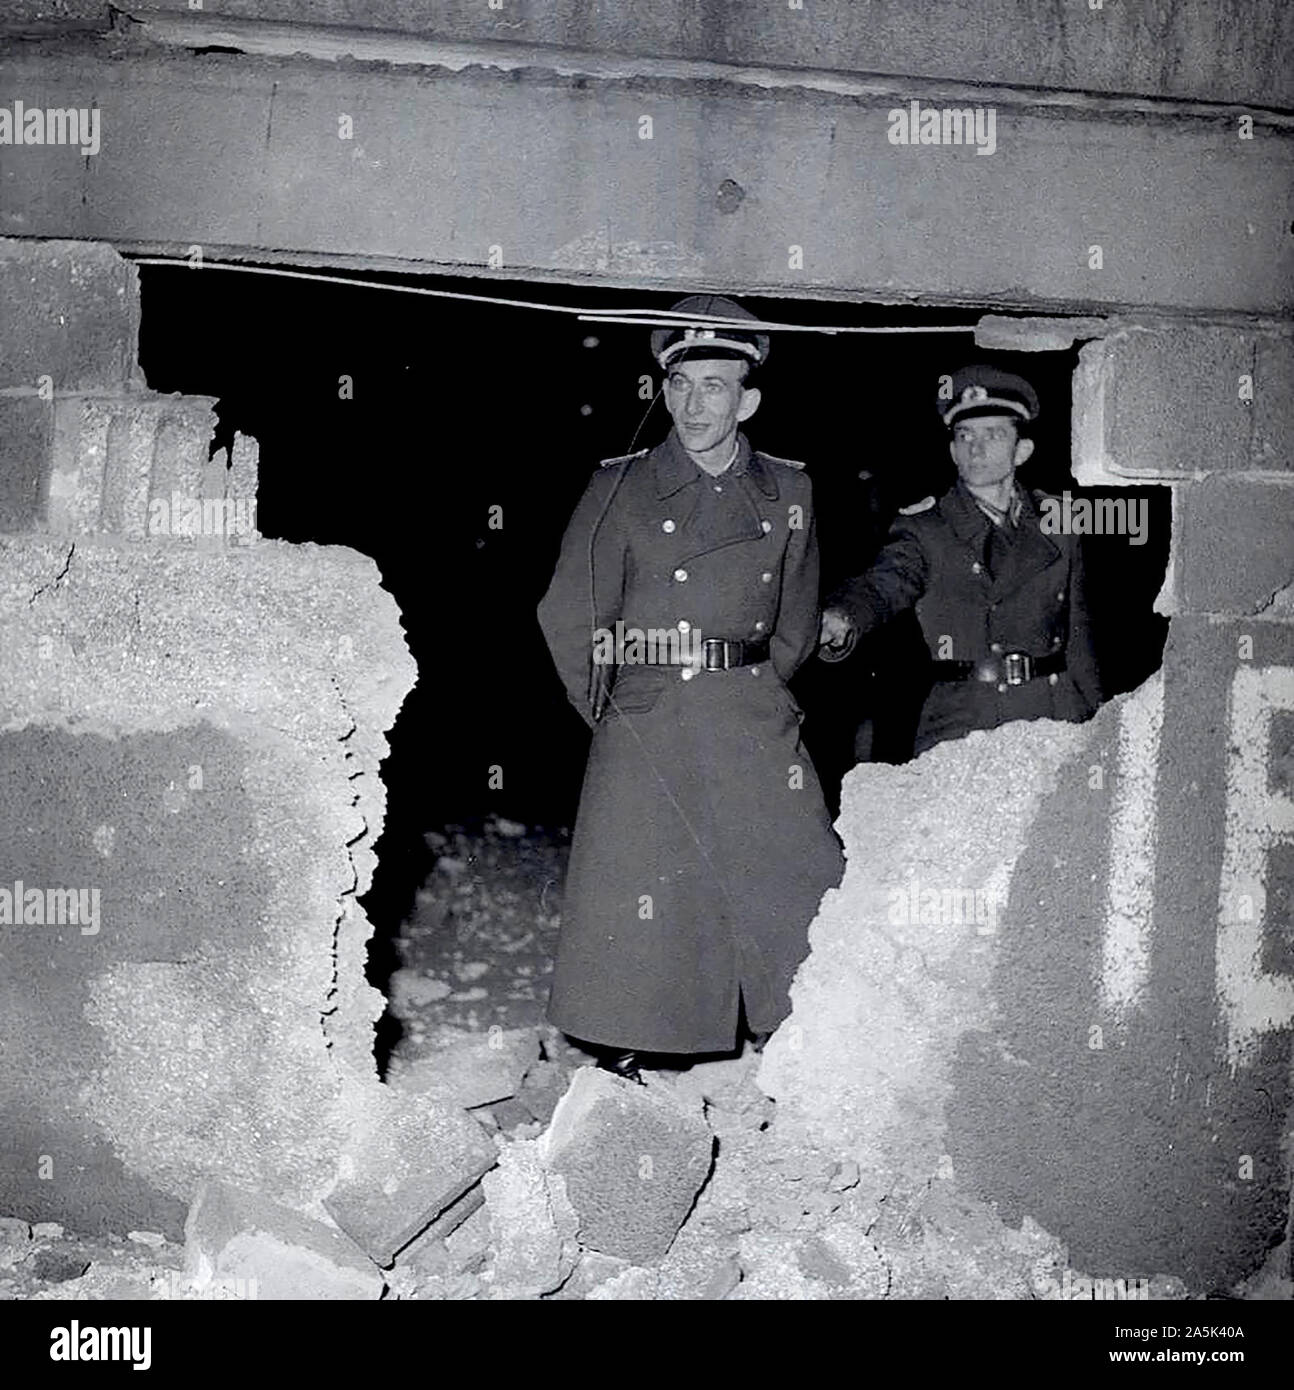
[
  {"x": 1008, "y": 668},
  {"x": 718, "y": 653}
]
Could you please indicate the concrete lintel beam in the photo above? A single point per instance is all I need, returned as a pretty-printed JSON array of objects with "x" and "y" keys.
[{"x": 787, "y": 191}]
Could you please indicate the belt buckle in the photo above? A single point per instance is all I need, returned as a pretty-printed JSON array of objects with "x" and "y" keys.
[
  {"x": 1017, "y": 668},
  {"x": 719, "y": 646}
]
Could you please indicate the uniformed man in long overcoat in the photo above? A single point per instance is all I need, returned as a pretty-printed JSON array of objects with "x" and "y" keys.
[
  {"x": 1000, "y": 602},
  {"x": 702, "y": 844}
]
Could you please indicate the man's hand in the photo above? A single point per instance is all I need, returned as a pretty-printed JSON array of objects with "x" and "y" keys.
[{"x": 835, "y": 629}]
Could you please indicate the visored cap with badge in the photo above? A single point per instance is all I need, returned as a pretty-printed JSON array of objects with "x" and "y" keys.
[
  {"x": 984, "y": 390},
  {"x": 704, "y": 339}
]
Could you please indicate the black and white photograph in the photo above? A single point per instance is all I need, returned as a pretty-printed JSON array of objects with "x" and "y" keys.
[{"x": 646, "y": 655}]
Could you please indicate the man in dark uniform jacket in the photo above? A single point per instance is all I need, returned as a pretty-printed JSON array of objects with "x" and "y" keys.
[
  {"x": 1000, "y": 602},
  {"x": 702, "y": 844}
]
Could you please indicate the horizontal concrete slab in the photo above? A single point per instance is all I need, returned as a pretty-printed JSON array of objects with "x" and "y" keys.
[
  {"x": 737, "y": 186},
  {"x": 1236, "y": 50}
]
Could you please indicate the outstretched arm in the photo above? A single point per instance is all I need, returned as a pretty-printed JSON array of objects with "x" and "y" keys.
[{"x": 894, "y": 583}]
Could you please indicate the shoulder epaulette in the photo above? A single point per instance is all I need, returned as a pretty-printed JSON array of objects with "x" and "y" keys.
[
  {"x": 917, "y": 507},
  {"x": 624, "y": 458},
  {"x": 786, "y": 463}
]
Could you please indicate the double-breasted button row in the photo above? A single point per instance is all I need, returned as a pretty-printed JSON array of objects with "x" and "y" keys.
[{"x": 669, "y": 525}]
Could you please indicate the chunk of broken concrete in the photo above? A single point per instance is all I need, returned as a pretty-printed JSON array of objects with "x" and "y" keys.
[
  {"x": 233, "y": 1235},
  {"x": 57, "y": 1266},
  {"x": 634, "y": 1159},
  {"x": 408, "y": 1159},
  {"x": 635, "y": 1285},
  {"x": 15, "y": 1241},
  {"x": 532, "y": 1225},
  {"x": 544, "y": 1085},
  {"x": 476, "y": 1069}
]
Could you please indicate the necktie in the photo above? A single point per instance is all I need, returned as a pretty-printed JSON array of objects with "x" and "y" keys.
[{"x": 998, "y": 549}]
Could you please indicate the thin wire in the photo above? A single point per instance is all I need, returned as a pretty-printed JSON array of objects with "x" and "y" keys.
[{"x": 662, "y": 318}]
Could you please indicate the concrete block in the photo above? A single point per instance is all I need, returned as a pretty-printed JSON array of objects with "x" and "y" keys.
[
  {"x": 132, "y": 441},
  {"x": 429, "y": 1253},
  {"x": 476, "y": 1069},
  {"x": 1273, "y": 407},
  {"x": 26, "y": 440},
  {"x": 1234, "y": 551},
  {"x": 243, "y": 482},
  {"x": 532, "y": 1225},
  {"x": 469, "y": 1243},
  {"x": 71, "y": 313},
  {"x": 1172, "y": 402},
  {"x": 80, "y": 458},
  {"x": 409, "y": 1157},
  {"x": 184, "y": 429},
  {"x": 633, "y": 1158},
  {"x": 235, "y": 1235},
  {"x": 134, "y": 464}
]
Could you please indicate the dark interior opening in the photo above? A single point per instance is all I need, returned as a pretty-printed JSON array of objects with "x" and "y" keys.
[{"x": 455, "y": 407}]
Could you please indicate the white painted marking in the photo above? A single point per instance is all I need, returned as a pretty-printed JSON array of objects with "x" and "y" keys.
[
  {"x": 1253, "y": 1001},
  {"x": 1130, "y": 900}
]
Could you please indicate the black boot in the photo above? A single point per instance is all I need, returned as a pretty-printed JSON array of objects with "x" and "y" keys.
[
  {"x": 622, "y": 1063},
  {"x": 757, "y": 1041}
]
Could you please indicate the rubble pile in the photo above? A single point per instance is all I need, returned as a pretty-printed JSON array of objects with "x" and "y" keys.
[
  {"x": 497, "y": 1163},
  {"x": 686, "y": 1188}
]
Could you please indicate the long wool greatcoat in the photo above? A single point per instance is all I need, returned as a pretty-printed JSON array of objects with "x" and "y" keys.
[
  {"x": 1034, "y": 602},
  {"x": 702, "y": 844}
]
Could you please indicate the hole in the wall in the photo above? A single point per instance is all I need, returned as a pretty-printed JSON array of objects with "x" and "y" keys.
[{"x": 392, "y": 424}]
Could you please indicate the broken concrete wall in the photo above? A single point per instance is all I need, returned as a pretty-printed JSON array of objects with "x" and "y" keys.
[
  {"x": 191, "y": 727},
  {"x": 1059, "y": 968}
]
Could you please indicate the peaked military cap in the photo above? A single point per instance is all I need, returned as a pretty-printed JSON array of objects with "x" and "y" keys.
[
  {"x": 984, "y": 390},
  {"x": 706, "y": 340}
]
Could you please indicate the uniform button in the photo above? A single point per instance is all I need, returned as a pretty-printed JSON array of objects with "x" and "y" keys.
[
  {"x": 767, "y": 525},
  {"x": 759, "y": 627},
  {"x": 1053, "y": 678},
  {"x": 681, "y": 576},
  {"x": 1055, "y": 641},
  {"x": 667, "y": 526},
  {"x": 687, "y": 673},
  {"x": 1001, "y": 690},
  {"x": 754, "y": 670},
  {"x": 718, "y": 487},
  {"x": 975, "y": 566},
  {"x": 684, "y": 625},
  {"x": 995, "y": 646},
  {"x": 766, "y": 577},
  {"x": 1060, "y": 596}
]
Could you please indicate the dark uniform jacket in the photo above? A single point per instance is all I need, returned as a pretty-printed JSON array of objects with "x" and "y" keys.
[
  {"x": 702, "y": 845},
  {"x": 937, "y": 561}
]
